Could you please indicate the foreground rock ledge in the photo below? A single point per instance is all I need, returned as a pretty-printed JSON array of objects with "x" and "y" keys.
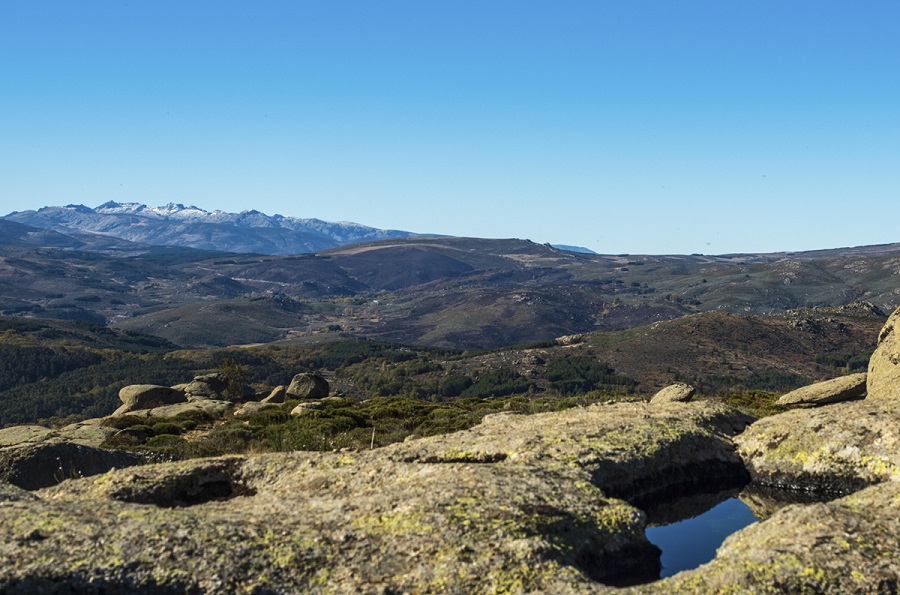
[
  {"x": 832, "y": 450},
  {"x": 518, "y": 503}
]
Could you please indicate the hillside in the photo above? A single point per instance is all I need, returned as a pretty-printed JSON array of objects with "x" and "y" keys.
[
  {"x": 56, "y": 369},
  {"x": 439, "y": 291}
]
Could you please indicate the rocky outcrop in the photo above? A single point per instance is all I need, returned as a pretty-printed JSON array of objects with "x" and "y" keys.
[
  {"x": 518, "y": 503},
  {"x": 86, "y": 433},
  {"x": 675, "y": 393},
  {"x": 308, "y": 386},
  {"x": 835, "y": 449},
  {"x": 146, "y": 396},
  {"x": 884, "y": 365},
  {"x": 213, "y": 408},
  {"x": 844, "y": 388},
  {"x": 41, "y": 464}
]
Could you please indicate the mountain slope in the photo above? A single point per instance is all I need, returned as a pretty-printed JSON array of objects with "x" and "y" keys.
[{"x": 177, "y": 225}]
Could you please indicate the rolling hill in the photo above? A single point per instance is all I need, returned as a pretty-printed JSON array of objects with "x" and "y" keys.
[{"x": 428, "y": 290}]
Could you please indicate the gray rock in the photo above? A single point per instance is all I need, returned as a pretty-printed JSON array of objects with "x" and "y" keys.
[
  {"x": 307, "y": 408},
  {"x": 33, "y": 466},
  {"x": 884, "y": 365},
  {"x": 252, "y": 407},
  {"x": 206, "y": 386},
  {"x": 675, "y": 393},
  {"x": 630, "y": 450},
  {"x": 308, "y": 386},
  {"x": 834, "y": 449},
  {"x": 24, "y": 434},
  {"x": 146, "y": 396},
  {"x": 214, "y": 408},
  {"x": 844, "y": 388},
  {"x": 277, "y": 395},
  {"x": 86, "y": 433}
]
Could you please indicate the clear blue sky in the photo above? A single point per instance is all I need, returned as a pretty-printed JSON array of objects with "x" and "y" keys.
[{"x": 629, "y": 126}]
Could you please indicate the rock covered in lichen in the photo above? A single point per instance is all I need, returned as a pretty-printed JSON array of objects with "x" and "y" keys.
[
  {"x": 519, "y": 503},
  {"x": 146, "y": 396},
  {"x": 324, "y": 523},
  {"x": 884, "y": 365},
  {"x": 674, "y": 393},
  {"x": 836, "y": 449},
  {"x": 843, "y": 388},
  {"x": 630, "y": 450}
]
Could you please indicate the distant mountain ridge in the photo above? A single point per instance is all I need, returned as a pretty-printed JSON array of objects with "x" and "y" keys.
[{"x": 192, "y": 227}]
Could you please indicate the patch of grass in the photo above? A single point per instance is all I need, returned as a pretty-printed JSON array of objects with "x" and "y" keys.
[{"x": 757, "y": 403}]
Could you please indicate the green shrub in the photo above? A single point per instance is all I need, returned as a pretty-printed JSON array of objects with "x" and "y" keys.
[
  {"x": 187, "y": 425},
  {"x": 270, "y": 416},
  {"x": 122, "y": 441},
  {"x": 138, "y": 429},
  {"x": 167, "y": 441},
  {"x": 757, "y": 403},
  {"x": 166, "y": 428}
]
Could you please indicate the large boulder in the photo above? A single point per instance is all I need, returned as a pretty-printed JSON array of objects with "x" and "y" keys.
[
  {"x": 836, "y": 449},
  {"x": 675, "y": 393},
  {"x": 206, "y": 386},
  {"x": 38, "y": 465},
  {"x": 843, "y": 388},
  {"x": 884, "y": 365},
  {"x": 308, "y": 385},
  {"x": 146, "y": 396}
]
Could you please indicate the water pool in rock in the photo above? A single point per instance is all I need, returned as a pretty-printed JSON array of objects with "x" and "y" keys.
[
  {"x": 688, "y": 543},
  {"x": 689, "y": 527}
]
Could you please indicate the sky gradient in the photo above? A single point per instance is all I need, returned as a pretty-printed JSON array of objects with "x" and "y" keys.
[{"x": 625, "y": 127}]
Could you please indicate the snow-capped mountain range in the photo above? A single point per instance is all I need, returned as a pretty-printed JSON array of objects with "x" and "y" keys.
[{"x": 193, "y": 227}]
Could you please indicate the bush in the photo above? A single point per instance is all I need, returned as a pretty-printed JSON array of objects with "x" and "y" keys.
[
  {"x": 167, "y": 441},
  {"x": 165, "y": 427},
  {"x": 187, "y": 425}
]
